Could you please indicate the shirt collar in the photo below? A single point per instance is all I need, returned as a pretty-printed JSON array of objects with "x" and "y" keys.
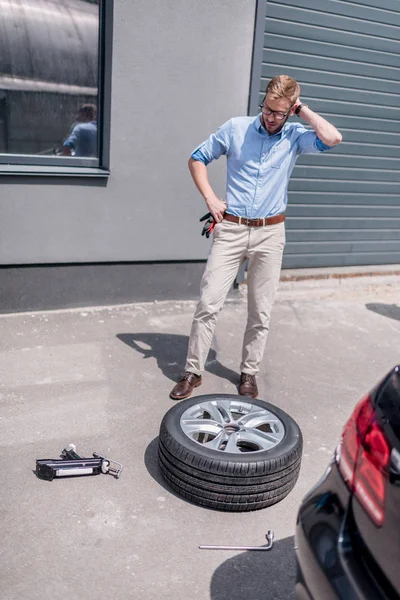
[{"x": 258, "y": 125}]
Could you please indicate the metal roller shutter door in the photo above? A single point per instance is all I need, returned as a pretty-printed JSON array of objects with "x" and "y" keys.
[{"x": 344, "y": 207}]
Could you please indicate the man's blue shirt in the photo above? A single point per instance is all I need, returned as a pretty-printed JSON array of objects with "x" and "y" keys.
[
  {"x": 83, "y": 139},
  {"x": 258, "y": 164}
]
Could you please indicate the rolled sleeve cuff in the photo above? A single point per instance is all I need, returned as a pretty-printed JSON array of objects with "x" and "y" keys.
[
  {"x": 216, "y": 145},
  {"x": 200, "y": 156},
  {"x": 322, "y": 147},
  {"x": 309, "y": 142}
]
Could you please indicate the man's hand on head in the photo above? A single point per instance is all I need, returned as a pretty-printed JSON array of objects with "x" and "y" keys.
[{"x": 295, "y": 105}]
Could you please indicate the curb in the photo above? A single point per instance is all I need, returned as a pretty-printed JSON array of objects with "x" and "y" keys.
[{"x": 338, "y": 276}]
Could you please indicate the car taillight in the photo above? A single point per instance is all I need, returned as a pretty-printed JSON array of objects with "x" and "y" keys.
[{"x": 363, "y": 459}]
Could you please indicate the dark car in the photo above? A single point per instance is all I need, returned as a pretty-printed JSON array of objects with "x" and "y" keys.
[{"x": 348, "y": 526}]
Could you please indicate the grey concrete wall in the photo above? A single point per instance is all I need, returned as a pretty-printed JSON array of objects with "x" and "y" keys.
[{"x": 180, "y": 69}]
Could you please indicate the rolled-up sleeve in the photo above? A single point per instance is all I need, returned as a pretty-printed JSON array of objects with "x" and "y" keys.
[
  {"x": 322, "y": 147},
  {"x": 215, "y": 146},
  {"x": 309, "y": 143},
  {"x": 70, "y": 142}
]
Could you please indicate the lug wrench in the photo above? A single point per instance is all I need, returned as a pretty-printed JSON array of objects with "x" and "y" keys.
[{"x": 270, "y": 539}]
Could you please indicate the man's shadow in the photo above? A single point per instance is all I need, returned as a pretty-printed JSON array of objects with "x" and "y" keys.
[
  {"x": 170, "y": 350},
  {"x": 392, "y": 311}
]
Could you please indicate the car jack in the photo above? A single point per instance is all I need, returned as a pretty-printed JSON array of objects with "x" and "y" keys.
[
  {"x": 270, "y": 539},
  {"x": 71, "y": 464}
]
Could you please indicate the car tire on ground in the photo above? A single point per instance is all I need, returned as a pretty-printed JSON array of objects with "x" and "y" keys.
[{"x": 230, "y": 452}]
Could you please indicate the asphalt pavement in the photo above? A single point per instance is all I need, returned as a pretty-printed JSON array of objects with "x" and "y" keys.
[{"x": 100, "y": 378}]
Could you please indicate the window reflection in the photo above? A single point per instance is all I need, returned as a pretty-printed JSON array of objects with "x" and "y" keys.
[{"x": 49, "y": 77}]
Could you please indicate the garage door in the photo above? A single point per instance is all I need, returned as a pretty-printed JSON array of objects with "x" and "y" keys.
[{"x": 344, "y": 207}]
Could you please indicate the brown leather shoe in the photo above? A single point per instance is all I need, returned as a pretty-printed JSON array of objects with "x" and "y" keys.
[
  {"x": 185, "y": 386},
  {"x": 248, "y": 385}
]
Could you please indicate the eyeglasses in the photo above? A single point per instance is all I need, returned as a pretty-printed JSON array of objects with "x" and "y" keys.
[{"x": 278, "y": 114}]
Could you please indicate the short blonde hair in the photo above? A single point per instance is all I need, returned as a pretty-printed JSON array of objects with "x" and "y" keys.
[{"x": 283, "y": 86}]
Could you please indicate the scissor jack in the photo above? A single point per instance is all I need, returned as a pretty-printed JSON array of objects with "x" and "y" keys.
[{"x": 71, "y": 464}]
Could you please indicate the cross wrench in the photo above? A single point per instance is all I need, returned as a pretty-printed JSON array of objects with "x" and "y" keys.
[{"x": 270, "y": 539}]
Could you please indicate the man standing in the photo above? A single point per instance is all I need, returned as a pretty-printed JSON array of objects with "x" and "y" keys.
[
  {"x": 83, "y": 139},
  {"x": 261, "y": 153}
]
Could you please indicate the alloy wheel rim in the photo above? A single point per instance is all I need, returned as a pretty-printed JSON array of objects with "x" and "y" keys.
[{"x": 232, "y": 426}]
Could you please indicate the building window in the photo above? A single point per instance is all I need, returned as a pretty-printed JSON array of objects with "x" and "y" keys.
[{"x": 55, "y": 92}]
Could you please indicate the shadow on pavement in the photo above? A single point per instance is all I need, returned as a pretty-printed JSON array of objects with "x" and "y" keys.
[
  {"x": 169, "y": 350},
  {"x": 256, "y": 575},
  {"x": 153, "y": 468},
  {"x": 252, "y": 575},
  {"x": 392, "y": 311}
]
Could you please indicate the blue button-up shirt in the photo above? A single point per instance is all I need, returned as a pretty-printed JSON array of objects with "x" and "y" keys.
[
  {"x": 83, "y": 139},
  {"x": 258, "y": 164}
]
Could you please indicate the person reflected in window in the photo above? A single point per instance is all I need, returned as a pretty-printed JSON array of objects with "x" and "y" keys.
[{"x": 83, "y": 138}]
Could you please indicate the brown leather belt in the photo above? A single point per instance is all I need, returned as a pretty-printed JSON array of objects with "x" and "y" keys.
[{"x": 255, "y": 222}]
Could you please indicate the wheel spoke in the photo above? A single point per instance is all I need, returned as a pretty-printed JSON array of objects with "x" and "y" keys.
[
  {"x": 216, "y": 443},
  {"x": 213, "y": 409},
  {"x": 231, "y": 445},
  {"x": 257, "y": 418},
  {"x": 225, "y": 412},
  {"x": 264, "y": 440},
  {"x": 191, "y": 426}
]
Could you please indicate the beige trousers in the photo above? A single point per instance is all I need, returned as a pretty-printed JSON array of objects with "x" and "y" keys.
[{"x": 232, "y": 244}]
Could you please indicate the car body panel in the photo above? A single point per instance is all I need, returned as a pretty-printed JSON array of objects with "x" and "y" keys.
[
  {"x": 319, "y": 523},
  {"x": 341, "y": 553},
  {"x": 383, "y": 543}
]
